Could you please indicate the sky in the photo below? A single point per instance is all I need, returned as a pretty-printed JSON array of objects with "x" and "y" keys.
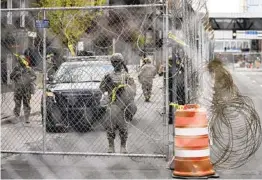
[{"x": 225, "y": 6}]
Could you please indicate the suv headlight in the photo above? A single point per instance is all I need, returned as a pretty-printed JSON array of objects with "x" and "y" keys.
[{"x": 50, "y": 94}]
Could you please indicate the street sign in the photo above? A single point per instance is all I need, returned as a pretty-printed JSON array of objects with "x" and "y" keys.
[
  {"x": 32, "y": 34},
  {"x": 80, "y": 46},
  {"x": 42, "y": 23},
  {"x": 251, "y": 32}
]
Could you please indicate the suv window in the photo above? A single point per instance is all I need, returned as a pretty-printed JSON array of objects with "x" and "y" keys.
[{"x": 77, "y": 73}]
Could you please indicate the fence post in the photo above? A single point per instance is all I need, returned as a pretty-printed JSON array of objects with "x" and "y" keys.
[
  {"x": 187, "y": 56},
  {"x": 166, "y": 93},
  {"x": 44, "y": 86}
]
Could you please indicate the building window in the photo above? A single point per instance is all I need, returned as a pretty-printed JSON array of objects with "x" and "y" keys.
[
  {"x": 4, "y": 4},
  {"x": 9, "y": 14},
  {"x": 22, "y": 14},
  {"x": 16, "y": 3}
]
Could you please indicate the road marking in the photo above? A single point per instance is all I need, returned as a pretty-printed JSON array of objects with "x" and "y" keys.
[{"x": 253, "y": 81}]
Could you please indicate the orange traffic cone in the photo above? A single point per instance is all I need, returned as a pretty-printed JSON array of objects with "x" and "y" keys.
[{"x": 192, "y": 153}]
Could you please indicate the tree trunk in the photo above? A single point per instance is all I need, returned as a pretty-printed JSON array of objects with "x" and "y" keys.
[{"x": 71, "y": 49}]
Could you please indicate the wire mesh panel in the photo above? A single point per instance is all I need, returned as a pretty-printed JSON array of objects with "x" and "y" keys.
[
  {"x": 87, "y": 102},
  {"x": 191, "y": 40},
  {"x": 21, "y": 84},
  {"x": 191, "y": 46}
]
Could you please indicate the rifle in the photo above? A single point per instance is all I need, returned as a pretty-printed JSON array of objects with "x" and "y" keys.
[{"x": 125, "y": 67}]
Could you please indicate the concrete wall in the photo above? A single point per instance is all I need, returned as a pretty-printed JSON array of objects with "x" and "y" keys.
[
  {"x": 254, "y": 6},
  {"x": 223, "y": 34},
  {"x": 225, "y": 6}
]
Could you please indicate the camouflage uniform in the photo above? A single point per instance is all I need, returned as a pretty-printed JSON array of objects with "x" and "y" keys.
[
  {"x": 51, "y": 66},
  {"x": 146, "y": 76},
  {"x": 123, "y": 108},
  {"x": 23, "y": 78}
]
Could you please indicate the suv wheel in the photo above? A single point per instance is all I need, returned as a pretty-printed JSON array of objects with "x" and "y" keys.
[
  {"x": 52, "y": 124},
  {"x": 82, "y": 126}
]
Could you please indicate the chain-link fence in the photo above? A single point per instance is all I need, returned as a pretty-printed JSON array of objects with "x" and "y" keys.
[
  {"x": 192, "y": 47},
  {"x": 77, "y": 108}
]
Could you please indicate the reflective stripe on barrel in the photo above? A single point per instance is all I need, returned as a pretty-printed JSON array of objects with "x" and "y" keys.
[
  {"x": 190, "y": 119},
  {"x": 191, "y": 142},
  {"x": 191, "y": 131},
  {"x": 192, "y": 153}
]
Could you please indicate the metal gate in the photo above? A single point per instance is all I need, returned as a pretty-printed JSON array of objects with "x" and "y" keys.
[{"x": 64, "y": 118}]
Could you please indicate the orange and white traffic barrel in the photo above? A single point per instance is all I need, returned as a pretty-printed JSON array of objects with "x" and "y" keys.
[{"x": 192, "y": 153}]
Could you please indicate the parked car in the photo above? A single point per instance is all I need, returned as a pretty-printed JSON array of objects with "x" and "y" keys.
[{"x": 73, "y": 95}]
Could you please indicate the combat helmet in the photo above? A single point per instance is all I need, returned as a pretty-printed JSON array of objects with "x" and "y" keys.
[{"x": 117, "y": 57}]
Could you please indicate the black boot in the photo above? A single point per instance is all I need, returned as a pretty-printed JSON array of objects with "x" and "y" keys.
[
  {"x": 123, "y": 148},
  {"x": 111, "y": 146}
]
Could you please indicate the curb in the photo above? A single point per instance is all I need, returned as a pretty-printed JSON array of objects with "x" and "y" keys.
[
  {"x": 246, "y": 70},
  {"x": 12, "y": 117}
]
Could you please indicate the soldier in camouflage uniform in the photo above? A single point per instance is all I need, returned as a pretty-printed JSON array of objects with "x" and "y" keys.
[
  {"x": 23, "y": 77},
  {"x": 146, "y": 76},
  {"x": 123, "y": 109}
]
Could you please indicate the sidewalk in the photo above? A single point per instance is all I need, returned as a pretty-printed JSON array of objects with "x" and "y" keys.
[
  {"x": 8, "y": 104},
  {"x": 247, "y": 69},
  {"x": 72, "y": 167},
  {"x": 236, "y": 67}
]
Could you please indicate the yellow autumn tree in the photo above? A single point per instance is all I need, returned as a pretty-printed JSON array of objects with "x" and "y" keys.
[{"x": 70, "y": 25}]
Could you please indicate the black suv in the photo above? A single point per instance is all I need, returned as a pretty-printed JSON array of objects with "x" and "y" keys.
[{"x": 73, "y": 95}]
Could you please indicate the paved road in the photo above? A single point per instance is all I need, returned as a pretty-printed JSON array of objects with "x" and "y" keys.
[
  {"x": 97, "y": 167},
  {"x": 250, "y": 84}
]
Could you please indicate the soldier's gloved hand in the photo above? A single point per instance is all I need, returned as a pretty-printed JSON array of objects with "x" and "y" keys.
[{"x": 105, "y": 99}]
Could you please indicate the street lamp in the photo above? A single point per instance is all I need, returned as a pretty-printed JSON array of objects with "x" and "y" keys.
[{"x": 234, "y": 34}]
